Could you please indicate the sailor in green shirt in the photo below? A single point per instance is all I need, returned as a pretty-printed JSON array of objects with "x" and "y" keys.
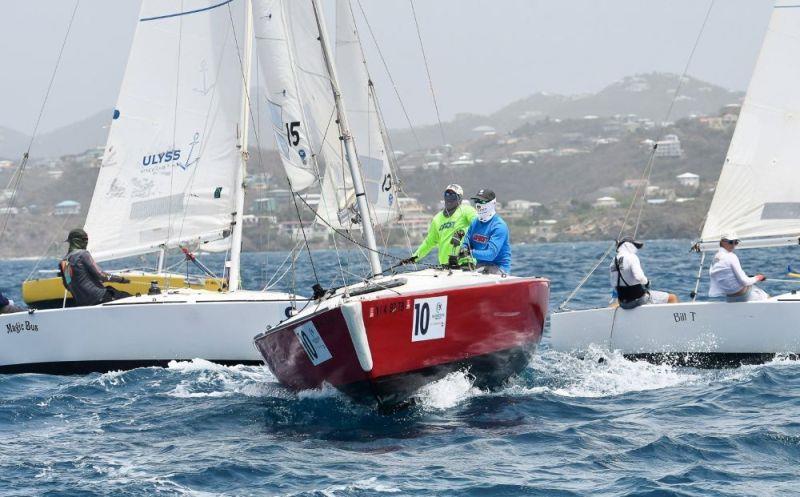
[{"x": 453, "y": 219}]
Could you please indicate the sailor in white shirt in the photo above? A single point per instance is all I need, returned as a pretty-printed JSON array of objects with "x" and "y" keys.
[
  {"x": 727, "y": 277},
  {"x": 628, "y": 280}
]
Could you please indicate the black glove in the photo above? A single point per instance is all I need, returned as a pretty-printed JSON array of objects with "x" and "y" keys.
[
  {"x": 409, "y": 260},
  {"x": 455, "y": 240},
  {"x": 463, "y": 252},
  {"x": 118, "y": 279}
]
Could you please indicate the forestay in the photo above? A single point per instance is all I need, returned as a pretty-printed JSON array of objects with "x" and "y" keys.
[
  {"x": 365, "y": 122},
  {"x": 757, "y": 196},
  {"x": 170, "y": 164}
]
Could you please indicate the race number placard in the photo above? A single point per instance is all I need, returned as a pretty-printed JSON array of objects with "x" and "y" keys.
[
  {"x": 430, "y": 319},
  {"x": 312, "y": 343}
]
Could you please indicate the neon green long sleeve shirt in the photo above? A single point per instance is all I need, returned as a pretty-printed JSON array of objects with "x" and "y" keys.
[{"x": 441, "y": 231}]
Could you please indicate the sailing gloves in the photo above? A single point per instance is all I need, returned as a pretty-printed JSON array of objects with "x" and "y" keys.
[
  {"x": 455, "y": 240},
  {"x": 409, "y": 260}
]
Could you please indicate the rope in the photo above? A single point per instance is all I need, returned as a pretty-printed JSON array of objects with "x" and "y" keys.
[
  {"x": 648, "y": 168},
  {"x": 428, "y": 71},
  {"x": 356, "y": 242},
  {"x": 389, "y": 74},
  {"x": 563, "y": 305},
  {"x": 293, "y": 253},
  {"x": 17, "y": 178}
]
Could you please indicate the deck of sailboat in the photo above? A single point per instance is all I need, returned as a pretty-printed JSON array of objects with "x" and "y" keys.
[
  {"x": 422, "y": 281},
  {"x": 196, "y": 296}
]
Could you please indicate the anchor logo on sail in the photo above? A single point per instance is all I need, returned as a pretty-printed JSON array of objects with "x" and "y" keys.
[
  {"x": 189, "y": 160},
  {"x": 206, "y": 88}
]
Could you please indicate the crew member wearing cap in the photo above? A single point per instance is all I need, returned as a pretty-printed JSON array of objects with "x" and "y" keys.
[
  {"x": 487, "y": 237},
  {"x": 83, "y": 277},
  {"x": 629, "y": 281},
  {"x": 454, "y": 218},
  {"x": 727, "y": 277}
]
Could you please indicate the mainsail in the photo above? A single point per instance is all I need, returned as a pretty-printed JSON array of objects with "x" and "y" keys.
[
  {"x": 171, "y": 160},
  {"x": 365, "y": 122},
  {"x": 757, "y": 196}
]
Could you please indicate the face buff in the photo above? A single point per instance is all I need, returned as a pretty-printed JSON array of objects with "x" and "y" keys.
[{"x": 486, "y": 211}]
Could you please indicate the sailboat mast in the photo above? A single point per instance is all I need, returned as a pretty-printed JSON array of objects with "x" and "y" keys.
[
  {"x": 349, "y": 147},
  {"x": 244, "y": 128}
]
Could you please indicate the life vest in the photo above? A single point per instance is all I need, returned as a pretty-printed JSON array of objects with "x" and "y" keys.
[
  {"x": 629, "y": 296},
  {"x": 65, "y": 271}
]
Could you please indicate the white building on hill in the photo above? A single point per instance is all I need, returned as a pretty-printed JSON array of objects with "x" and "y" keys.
[
  {"x": 689, "y": 180},
  {"x": 605, "y": 202},
  {"x": 670, "y": 146}
]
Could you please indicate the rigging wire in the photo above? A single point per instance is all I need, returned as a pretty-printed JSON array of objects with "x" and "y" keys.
[
  {"x": 646, "y": 174},
  {"x": 17, "y": 177},
  {"x": 258, "y": 141},
  {"x": 389, "y": 74},
  {"x": 53, "y": 242},
  {"x": 428, "y": 71},
  {"x": 175, "y": 125},
  {"x": 356, "y": 242}
]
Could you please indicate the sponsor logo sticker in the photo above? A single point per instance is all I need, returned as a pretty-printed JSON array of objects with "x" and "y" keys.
[{"x": 430, "y": 319}]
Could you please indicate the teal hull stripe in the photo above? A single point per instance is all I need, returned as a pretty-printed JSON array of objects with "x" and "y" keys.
[{"x": 185, "y": 13}]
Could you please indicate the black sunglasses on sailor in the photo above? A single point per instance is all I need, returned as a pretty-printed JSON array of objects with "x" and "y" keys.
[
  {"x": 448, "y": 195},
  {"x": 733, "y": 242},
  {"x": 479, "y": 201}
]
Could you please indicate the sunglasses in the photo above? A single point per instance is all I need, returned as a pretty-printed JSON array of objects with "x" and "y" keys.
[
  {"x": 480, "y": 202},
  {"x": 732, "y": 242},
  {"x": 450, "y": 195}
]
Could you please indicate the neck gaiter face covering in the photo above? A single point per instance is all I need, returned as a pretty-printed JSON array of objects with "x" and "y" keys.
[{"x": 486, "y": 211}]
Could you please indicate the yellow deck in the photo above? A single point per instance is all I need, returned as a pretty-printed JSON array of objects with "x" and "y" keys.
[{"x": 45, "y": 289}]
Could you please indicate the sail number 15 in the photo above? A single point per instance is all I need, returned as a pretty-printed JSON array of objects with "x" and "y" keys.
[{"x": 292, "y": 133}]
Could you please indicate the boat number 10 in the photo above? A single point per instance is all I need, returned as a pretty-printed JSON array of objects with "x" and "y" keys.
[
  {"x": 680, "y": 317},
  {"x": 430, "y": 319},
  {"x": 312, "y": 343}
]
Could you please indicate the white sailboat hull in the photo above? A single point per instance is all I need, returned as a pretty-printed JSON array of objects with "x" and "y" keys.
[
  {"x": 140, "y": 331},
  {"x": 699, "y": 334}
]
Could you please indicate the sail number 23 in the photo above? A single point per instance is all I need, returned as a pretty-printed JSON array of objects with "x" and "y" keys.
[{"x": 430, "y": 319}]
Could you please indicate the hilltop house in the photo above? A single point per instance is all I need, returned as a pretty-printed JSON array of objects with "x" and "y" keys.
[
  {"x": 605, "y": 202},
  {"x": 689, "y": 180},
  {"x": 67, "y": 208},
  {"x": 670, "y": 146}
]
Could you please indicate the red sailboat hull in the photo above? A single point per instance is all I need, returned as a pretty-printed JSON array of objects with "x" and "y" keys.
[{"x": 384, "y": 347}]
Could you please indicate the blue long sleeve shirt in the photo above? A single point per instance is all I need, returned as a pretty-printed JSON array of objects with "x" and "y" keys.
[{"x": 489, "y": 242}]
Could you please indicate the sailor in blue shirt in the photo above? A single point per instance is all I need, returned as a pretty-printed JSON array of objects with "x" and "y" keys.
[{"x": 487, "y": 236}]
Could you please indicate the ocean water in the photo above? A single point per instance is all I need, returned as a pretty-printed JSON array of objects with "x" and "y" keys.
[{"x": 564, "y": 427}]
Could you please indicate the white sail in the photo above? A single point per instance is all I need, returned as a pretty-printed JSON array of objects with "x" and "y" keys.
[
  {"x": 301, "y": 104},
  {"x": 337, "y": 205},
  {"x": 365, "y": 122},
  {"x": 171, "y": 161},
  {"x": 757, "y": 195},
  {"x": 289, "y": 123}
]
